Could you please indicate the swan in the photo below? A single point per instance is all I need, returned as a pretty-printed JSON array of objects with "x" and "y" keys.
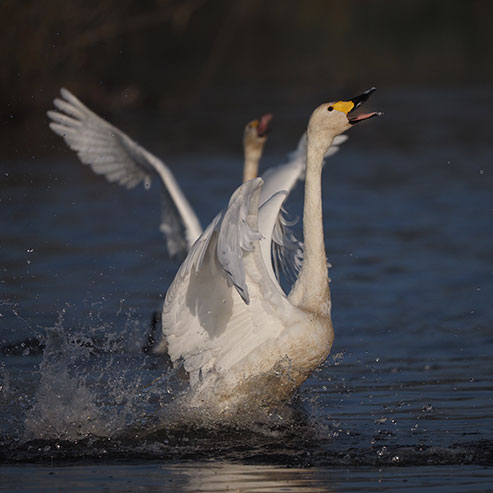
[
  {"x": 112, "y": 153},
  {"x": 243, "y": 342}
]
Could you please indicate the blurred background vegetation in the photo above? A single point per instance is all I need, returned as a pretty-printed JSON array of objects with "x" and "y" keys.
[{"x": 199, "y": 60}]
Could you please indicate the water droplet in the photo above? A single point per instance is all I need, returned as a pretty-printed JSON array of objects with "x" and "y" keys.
[
  {"x": 481, "y": 171},
  {"x": 427, "y": 408},
  {"x": 30, "y": 250},
  {"x": 382, "y": 451},
  {"x": 396, "y": 459}
]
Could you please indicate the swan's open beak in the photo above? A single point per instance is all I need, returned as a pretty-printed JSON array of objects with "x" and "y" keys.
[
  {"x": 263, "y": 125},
  {"x": 357, "y": 102}
]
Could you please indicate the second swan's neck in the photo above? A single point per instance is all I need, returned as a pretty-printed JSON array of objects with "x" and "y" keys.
[
  {"x": 311, "y": 290},
  {"x": 250, "y": 168}
]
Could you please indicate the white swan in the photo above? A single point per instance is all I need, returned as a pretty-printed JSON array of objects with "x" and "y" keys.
[
  {"x": 112, "y": 153},
  {"x": 241, "y": 340}
]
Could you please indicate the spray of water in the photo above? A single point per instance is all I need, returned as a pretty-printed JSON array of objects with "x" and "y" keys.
[{"x": 90, "y": 384}]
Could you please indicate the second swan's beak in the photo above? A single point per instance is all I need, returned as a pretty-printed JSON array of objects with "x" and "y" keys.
[
  {"x": 263, "y": 125},
  {"x": 357, "y": 102}
]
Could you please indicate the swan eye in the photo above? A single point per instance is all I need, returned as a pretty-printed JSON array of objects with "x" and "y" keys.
[{"x": 330, "y": 108}]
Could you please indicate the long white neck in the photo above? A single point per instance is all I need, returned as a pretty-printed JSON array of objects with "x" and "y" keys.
[
  {"x": 252, "y": 158},
  {"x": 311, "y": 290}
]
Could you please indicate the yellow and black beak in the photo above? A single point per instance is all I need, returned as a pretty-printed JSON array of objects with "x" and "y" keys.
[
  {"x": 347, "y": 107},
  {"x": 357, "y": 102}
]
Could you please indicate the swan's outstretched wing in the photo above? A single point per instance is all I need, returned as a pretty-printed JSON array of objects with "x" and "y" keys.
[
  {"x": 223, "y": 301},
  {"x": 112, "y": 153},
  {"x": 287, "y": 251}
]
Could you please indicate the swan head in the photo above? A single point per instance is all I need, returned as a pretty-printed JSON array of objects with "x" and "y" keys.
[
  {"x": 334, "y": 118},
  {"x": 256, "y": 131}
]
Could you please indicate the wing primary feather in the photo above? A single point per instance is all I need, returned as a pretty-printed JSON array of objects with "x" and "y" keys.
[{"x": 110, "y": 152}]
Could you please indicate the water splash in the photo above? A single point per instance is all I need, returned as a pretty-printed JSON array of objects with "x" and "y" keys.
[
  {"x": 92, "y": 381},
  {"x": 64, "y": 405},
  {"x": 92, "y": 385}
]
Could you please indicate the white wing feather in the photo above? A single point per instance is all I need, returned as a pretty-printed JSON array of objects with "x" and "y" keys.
[
  {"x": 112, "y": 153},
  {"x": 223, "y": 301},
  {"x": 269, "y": 214}
]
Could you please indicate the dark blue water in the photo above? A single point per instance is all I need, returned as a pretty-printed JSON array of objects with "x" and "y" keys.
[{"x": 408, "y": 211}]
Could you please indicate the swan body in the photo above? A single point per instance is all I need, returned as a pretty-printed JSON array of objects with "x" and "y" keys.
[
  {"x": 230, "y": 321},
  {"x": 243, "y": 341}
]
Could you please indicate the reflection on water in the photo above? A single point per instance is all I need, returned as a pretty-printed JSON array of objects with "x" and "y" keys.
[
  {"x": 213, "y": 477},
  {"x": 224, "y": 477},
  {"x": 407, "y": 210}
]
